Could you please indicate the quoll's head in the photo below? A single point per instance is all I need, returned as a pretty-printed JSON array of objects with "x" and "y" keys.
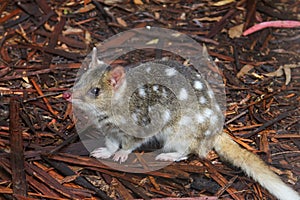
[{"x": 95, "y": 88}]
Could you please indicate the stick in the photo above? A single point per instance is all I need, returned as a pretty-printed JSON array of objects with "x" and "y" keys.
[{"x": 17, "y": 154}]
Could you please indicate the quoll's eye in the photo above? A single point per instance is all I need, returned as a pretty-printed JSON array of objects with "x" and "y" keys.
[{"x": 95, "y": 91}]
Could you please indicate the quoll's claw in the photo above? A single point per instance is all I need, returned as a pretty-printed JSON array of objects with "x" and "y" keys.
[
  {"x": 101, "y": 152},
  {"x": 121, "y": 156}
]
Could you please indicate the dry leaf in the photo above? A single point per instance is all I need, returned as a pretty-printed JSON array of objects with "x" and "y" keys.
[
  {"x": 86, "y": 2},
  {"x": 222, "y": 3},
  {"x": 257, "y": 75},
  {"x": 245, "y": 69},
  {"x": 69, "y": 179},
  {"x": 25, "y": 78},
  {"x": 48, "y": 27},
  {"x": 72, "y": 3},
  {"x": 85, "y": 9},
  {"x": 88, "y": 37},
  {"x": 287, "y": 72},
  {"x": 182, "y": 16},
  {"x": 121, "y": 22},
  {"x": 70, "y": 30},
  {"x": 26, "y": 85},
  {"x": 111, "y": 2},
  {"x": 154, "y": 41},
  {"x": 168, "y": 1},
  {"x": 236, "y": 31},
  {"x": 276, "y": 73},
  {"x": 138, "y": 2},
  {"x": 276, "y": 170},
  {"x": 209, "y": 19},
  {"x": 156, "y": 15},
  {"x": 64, "y": 47}
]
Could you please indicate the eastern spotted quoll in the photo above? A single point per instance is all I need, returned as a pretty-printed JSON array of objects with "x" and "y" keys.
[{"x": 184, "y": 131}]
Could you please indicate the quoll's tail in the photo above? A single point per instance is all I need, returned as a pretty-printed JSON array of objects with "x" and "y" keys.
[{"x": 254, "y": 167}]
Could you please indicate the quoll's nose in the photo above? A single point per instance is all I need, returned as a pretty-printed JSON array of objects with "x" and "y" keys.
[{"x": 67, "y": 96}]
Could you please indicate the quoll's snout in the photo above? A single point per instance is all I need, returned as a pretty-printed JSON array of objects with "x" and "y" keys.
[{"x": 67, "y": 96}]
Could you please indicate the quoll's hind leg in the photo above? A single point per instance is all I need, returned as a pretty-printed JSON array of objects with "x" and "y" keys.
[
  {"x": 106, "y": 152},
  {"x": 176, "y": 147},
  {"x": 172, "y": 156}
]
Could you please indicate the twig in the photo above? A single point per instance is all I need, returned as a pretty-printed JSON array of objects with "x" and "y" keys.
[
  {"x": 17, "y": 154},
  {"x": 39, "y": 91},
  {"x": 67, "y": 171},
  {"x": 269, "y": 123}
]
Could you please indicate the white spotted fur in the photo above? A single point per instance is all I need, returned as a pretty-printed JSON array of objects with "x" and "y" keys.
[
  {"x": 170, "y": 72},
  {"x": 202, "y": 100},
  {"x": 198, "y": 85},
  {"x": 183, "y": 95},
  {"x": 179, "y": 141}
]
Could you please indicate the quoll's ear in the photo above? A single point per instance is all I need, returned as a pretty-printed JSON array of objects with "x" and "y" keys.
[
  {"x": 204, "y": 51},
  {"x": 116, "y": 77},
  {"x": 95, "y": 61}
]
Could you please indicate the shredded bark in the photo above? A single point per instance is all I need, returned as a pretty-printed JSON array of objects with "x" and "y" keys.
[{"x": 42, "y": 47}]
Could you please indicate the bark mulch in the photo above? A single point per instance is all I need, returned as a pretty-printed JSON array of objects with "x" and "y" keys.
[{"x": 42, "y": 45}]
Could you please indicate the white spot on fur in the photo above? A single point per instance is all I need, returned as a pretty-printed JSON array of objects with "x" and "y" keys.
[
  {"x": 123, "y": 120},
  {"x": 166, "y": 115},
  {"x": 134, "y": 117},
  {"x": 210, "y": 93},
  {"x": 198, "y": 85},
  {"x": 214, "y": 119},
  {"x": 207, "y": 133},
  {"x": 148, "y": 69},
  {"x": 218, "y": 107},
  {"x": 202, "y": 100},
  {"x": 155, "y": 88},
  {"x": 207, "y": 112},
  {"x": 200, "y": 118},
  {"x": 137, "y": 110},
  {"x": 183, "y": 95},
  {"x": 170, "y": 72},
  {"x": 142, "y": 92},
  {"x": 185, "y": 120}
]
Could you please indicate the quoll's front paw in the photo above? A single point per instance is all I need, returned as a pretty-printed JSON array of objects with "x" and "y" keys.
[
  {"x": 101, "y": 152},
  {"x": 121, "y": 155}
]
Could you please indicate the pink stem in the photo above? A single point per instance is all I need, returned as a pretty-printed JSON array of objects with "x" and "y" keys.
[{"x": 276, "y": 24}]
